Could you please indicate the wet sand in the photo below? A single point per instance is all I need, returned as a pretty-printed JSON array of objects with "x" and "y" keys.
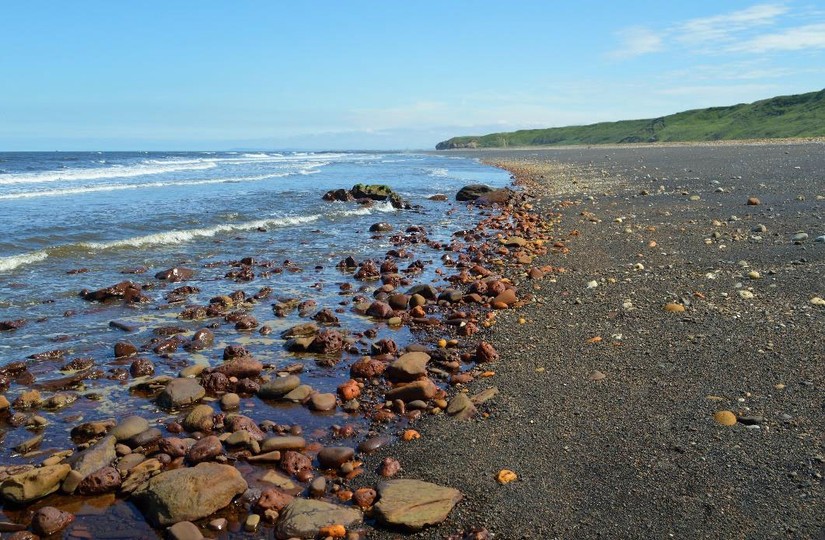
[{"x": 606, "y": 400}]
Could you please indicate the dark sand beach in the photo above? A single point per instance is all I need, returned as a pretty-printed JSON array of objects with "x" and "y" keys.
[{"x": 606, "y": 399}]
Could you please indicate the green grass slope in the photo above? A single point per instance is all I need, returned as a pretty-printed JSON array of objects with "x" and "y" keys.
[{"x": 801, "y": 115}]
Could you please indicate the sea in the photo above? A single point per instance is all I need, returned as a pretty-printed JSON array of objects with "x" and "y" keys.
[{"x": 75, "y": 221}]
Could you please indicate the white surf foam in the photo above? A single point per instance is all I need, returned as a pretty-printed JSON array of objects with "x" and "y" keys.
[
  {"x": 141, "y": 169},
  {"x": 14, "y": 261},
  {"x": 121, "y": 187},
  {"x": 178, "y": 237}
]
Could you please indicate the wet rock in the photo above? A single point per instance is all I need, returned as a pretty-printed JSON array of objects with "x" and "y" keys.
[
  {"x": 326, "y": 316},
  {"x": 124, "y": 349},
  {"x": 327, "y": 342},
  {"x": 142, "y": 367},
  {"x": 59, "y": 400},
  {"x": 199, "y": 419},
  {"x": 96, "y": 457},
  {"x": 294, "y": 463},
  {"x": 753, "y": 201},
  {"x": 101, "y": 481},
  {"x": 175, "y": 274},
  {"x": 423, "y": 389},
  {"x": 202, "y": 339},
  {"x": 303, "y": 518},
  {"x": 126, "y": 291},
  {"x": 367, "y": 368},
  {"x": 91, "y": 430},
  {"x": 180, "y": 393},
  {"x": 278, "y": 387},
  {"x": 237, "y": 422},
  {"x": 145, "y": 438},
  {"x": 287, "y": 442},
  {"x": 29, "y": 399},
  {"x": 409, "y": 367},
  {"x": 247, "y": 322},
  {"x": 349, "y": 390},
  {"x": 189, "y": 494},
  {"x": 379, "y": 310},
  {"x": 372, "y": 444},
  {"x": 173, "y": 446},
  {"x": 322, "y": 402},
  {"x": 12, "y": 325},
  {"x": 49, "y": 520},
  {"x": 242, "y": 367},
  {"x": 380, "y": 227},
  {"x": 332, "y": 457},
  {"x": 205, "y": 449},
  {"x": 364, "y": 497},
  {"x": 184, "y": 530},
  {"x": 33, "y": 484},
  {"x": 216, "y": 383},
  {"x": 129, "y": 427},
  {"x": 274, "y": 499},
  {"x": 299, "y": 394},
  {"x": 413, "y": 504},
  {"x": 472, "y": 192},
  {"x": 230, "y": 401}
]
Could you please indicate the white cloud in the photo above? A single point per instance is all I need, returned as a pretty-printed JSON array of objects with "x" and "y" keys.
[
  {"x": 725, "y": 27},
  {"x": 810, "y": 36},
  {"x": 637, "y": 41}
]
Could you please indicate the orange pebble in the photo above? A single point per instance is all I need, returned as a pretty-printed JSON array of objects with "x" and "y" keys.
[
  {"x": 410, "y": 434},
  {"x": 505, "y": 476},
  {"x": 333, "y": 531},
  {"x": 595, "y": 339}
]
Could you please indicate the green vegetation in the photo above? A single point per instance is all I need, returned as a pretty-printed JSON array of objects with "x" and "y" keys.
[{"x": 800, "y": 115}]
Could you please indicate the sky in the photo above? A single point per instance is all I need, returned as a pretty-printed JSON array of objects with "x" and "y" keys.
[{"x": 213, "y": 75}]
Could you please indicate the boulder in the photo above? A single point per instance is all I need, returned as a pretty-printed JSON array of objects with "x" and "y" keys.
[
  {"x": 33, "y": 484},
  {"x": 180, "y": 393},
  {"x": 304, "y": 518},
  {"x": 408, "y": 367},
  {"x": 472, "y": 192},
  {"x": 279, "y": 387},
  {"x": 125, "y": 290},
  {"x": 189, "y": 494},
  {"x": 413, "y": 504}
]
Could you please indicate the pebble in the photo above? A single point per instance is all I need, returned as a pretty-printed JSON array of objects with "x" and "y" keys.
[
  {"x": 725, "y": 418},
  {"x": 322, "y": 402},
  {"x": 820, "y": 239},
  {"x": 753, "y": 274},
  {"x": 184, "y": 530},
  {"x": 592, "y": 284},
  {"x": 745, "y": 294},
  {"x": 230, "y": 401},
  {"x": 800, "y": 237},
  {"x": 252, "y": 522},
  {"x": 817, "y": 301},
  {"x": 673, "y": 307},
  {"x": 597, "y": 376}
]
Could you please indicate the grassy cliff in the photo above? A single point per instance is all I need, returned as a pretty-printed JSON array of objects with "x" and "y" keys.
[{"x": 801, "y": 115}]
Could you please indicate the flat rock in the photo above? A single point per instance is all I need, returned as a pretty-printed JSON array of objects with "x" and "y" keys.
[
  {"x": 289, "y": 442},
  {"x": 181, "y": 392},
  {"x": 303, "y": 518},
  {"x": 96, "y": 457},
  {"x": 423, "y": 389},
  {"x": 33, "y": 484},
  {"x": 408, "y": 367},
  {"x": 413, "y": 504},
  {"x": 279, "y": 387},
  {"x": 189, "y": 494}
]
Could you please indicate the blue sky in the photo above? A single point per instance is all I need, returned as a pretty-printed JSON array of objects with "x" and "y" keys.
[{"x": 334, "y": 74}]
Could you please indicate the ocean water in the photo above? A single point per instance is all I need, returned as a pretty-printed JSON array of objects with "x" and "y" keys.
[{"x": 74, "y": 221}]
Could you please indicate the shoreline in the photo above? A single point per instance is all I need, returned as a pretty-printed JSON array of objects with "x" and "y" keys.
[{"x": 607, "y": 404}]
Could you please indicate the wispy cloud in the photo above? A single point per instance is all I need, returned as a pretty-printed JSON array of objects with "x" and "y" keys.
[
  {"x": 728, "y": 26},
  {"x": 811, "y": 36},
  {"x": 637, "y": 41}
]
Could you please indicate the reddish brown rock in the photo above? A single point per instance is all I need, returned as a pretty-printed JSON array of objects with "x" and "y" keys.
[
  {"x": 49, "y": 520},
  {"x": 177, "y": 273},
  {"x": 124, "y": 349},
  {"x": 239, "y": 422},
  {"x": 327, "y": 342},
  {"x": 380, "y": 310},
  {"x": 294, "y": 463},
  {"x": 486, "y": 353},
  {"x": 125, "y": 290},
  {"x": 241, "y": 367},
  {"x": 205, "y": 449},
  {"x": 101, "y": 481},
  {"x": 349, "y": 390},
  {"x": 173, "y": 446},
  {"x": 423, "y": 389},
  {"x": 364, "y": 497},
  {"x": 389, "y": 467},
  {"x": 332, "y": 457},
  {"x": 274, "y": 499},
  {"x": 367, "y": 368},
  {"x": 141, "y": 367}
]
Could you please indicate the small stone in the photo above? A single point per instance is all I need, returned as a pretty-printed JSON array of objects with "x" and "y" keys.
[
  {"x": 753, "y": 201},
  {"x": 322, "y": 402},
  {"x": 278, "y": 387},
  {"x": 332, "y": 457},
  {"x": 800, "y": 237},
  {"x": 673, "y": 307},
  {"x": 230, "y": 401},
  {"x": 725, "y": 418},
  {"x": 597, "y": 376},
  {"x": 592, "y": 284},
  {"x": 181, "y": 392},
  {"x": 49, "y": 520},
  {"x": 817, "y": 301},
  {"x": 205, "y": 449},
  {"x": 753, "y": 274},
  {"x": 745, "y": 294},
  {"x": 288, "y": 442},
  {"x": 318, "y": 487},
  {"x": 184, "y": 530},
  {"x": 219, "y": 524},
  {"x": 252, "y": 522}
]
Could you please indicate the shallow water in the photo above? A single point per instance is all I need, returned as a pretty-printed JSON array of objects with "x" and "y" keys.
[{"x": 76, "y": 221}]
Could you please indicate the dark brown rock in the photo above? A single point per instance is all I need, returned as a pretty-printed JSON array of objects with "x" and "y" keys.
[
  {"x": 274, "y": 499},
  {"x": 205, "y": 449},
  {"x": 486, "y": 353},
  {"x": 101, "y": 481},
  {"x": 177, "y": 273},
  {"x": 294, "y": 463},
  {"x": 142, "y": 367},
  {"x": 124, "y": 349}
]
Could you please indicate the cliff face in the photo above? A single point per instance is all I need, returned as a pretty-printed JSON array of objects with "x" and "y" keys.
[{"x": 801, "y": 115}]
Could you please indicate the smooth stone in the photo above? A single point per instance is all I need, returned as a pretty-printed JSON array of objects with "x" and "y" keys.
[
  {"x": 299, "y": 394},
  {"x": 372, "y": 444},
  {"x": 180, "y": 393},
  {"x": 318, "y": 487},
  {"x": 267, "y": 457},
  {"x": 461, "y": 407},
  {"x": 145, "y": 438},
  {"x": 288, "y": 442},
  {"x": 800, "y": 237},
  {"x": 332, "y": 457},
  {"x": 33, "y": 484},
  {"x": 422, "y": 389},
  {"x": 230, "y": 401},
  {"x": 303, "y": 518},
  {"x": 281, "y": 481},
  {"x": 279, "y": 387},
  {"x": 413, "y": 504},
  {"x": 96, "y": 457},
  {"x": 71, "y": 482},
  {"x": 508, "y": 296},
  {"x": 201, "y": 418},
  {"x": 205, "y": 449},
  {"x": 322, "y": 402},
  {"x": 184, "y": 530},
  {"x": 408, "y": 367},
  {"x": 189, "y": 494},
  {"x": 252, "y": 522},
  {"x": 725, "y": 418}
]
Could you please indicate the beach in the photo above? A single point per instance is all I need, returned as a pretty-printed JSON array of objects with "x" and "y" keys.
[
  {"x": 607, "y": 400},
  {"x": 634, "y": 333}
]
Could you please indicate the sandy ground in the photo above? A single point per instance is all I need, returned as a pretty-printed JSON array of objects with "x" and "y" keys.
[{"x": 638, "y": 454}]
